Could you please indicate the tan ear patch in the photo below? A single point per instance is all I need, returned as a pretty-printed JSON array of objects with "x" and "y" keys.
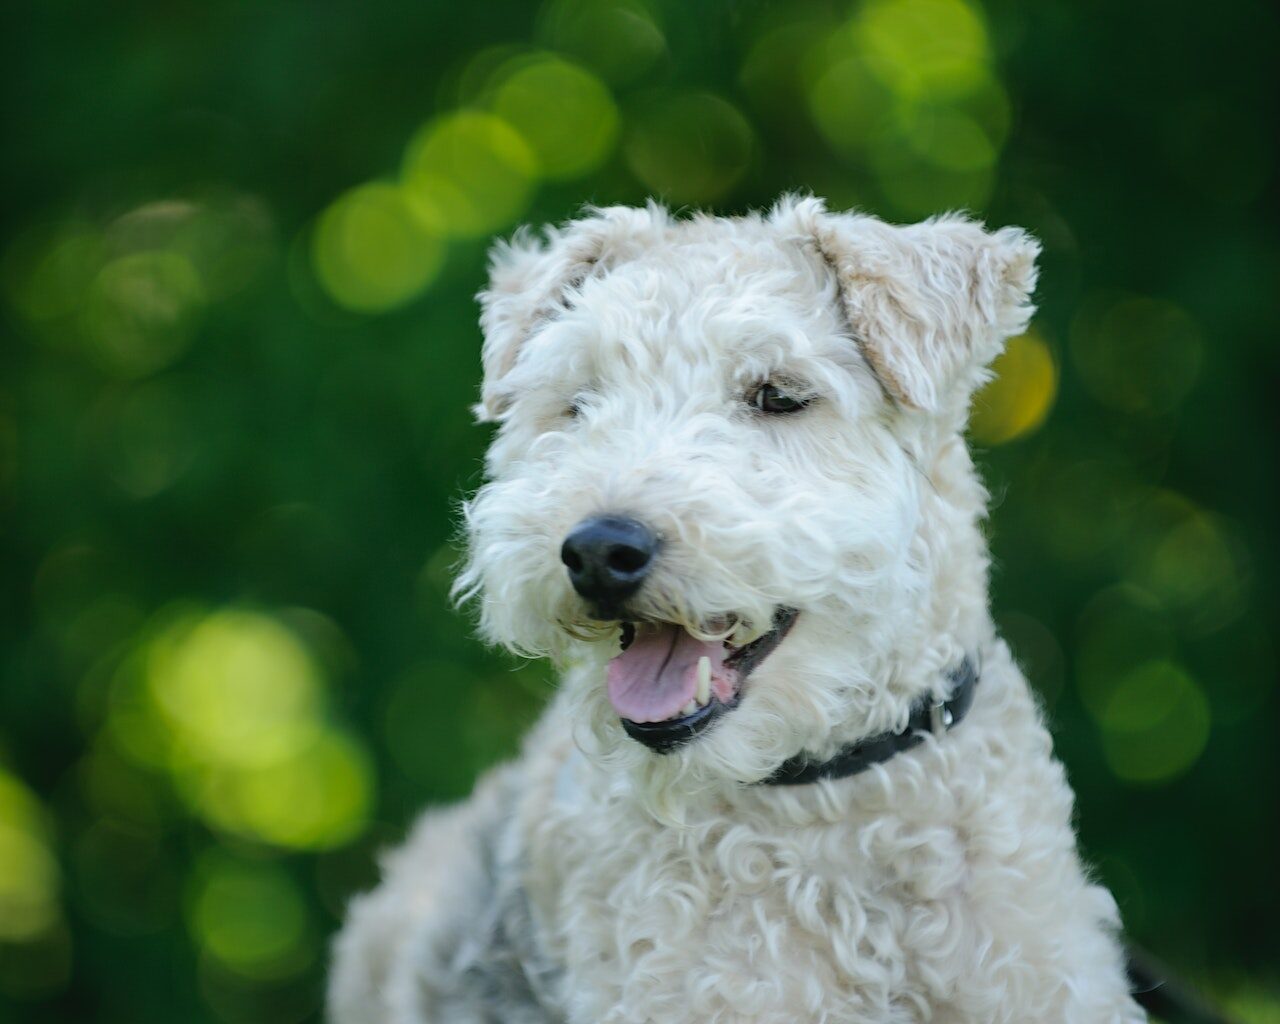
[{"x": 929, "y": 304}]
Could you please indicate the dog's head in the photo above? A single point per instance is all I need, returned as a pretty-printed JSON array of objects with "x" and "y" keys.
[{"x": 728, "y": 486}]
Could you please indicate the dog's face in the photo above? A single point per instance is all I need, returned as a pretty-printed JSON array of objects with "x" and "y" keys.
[{"x": 707, "y": 487}]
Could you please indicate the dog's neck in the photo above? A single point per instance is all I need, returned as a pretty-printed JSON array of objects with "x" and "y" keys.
[
  {"x": 934, "y": 713},
  {"x": 943, "y": 619},
  {"x": 946, "y": 635}
]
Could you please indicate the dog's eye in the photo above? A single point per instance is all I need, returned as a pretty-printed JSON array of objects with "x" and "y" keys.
[{"x": 772, "y": 399}]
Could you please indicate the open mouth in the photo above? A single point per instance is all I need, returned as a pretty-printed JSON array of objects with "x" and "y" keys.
[{"x": 667, "y": 686}]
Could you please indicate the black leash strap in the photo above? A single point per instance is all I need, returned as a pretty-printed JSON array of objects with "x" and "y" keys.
[
  {"x": 1162, "y": 995},
  {"x": 929, "y": 714}
]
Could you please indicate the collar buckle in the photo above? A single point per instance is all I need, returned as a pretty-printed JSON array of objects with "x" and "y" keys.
[{"x": 940, "y": 717}]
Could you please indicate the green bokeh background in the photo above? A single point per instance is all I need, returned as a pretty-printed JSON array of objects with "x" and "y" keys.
[{"x": 240, "y": 244}]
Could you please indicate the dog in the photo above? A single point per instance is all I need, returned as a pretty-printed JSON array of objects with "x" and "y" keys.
[{"x": 792, "y": 774}]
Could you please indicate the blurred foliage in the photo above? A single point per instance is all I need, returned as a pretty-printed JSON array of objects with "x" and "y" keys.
[{"x": 239, "y": 251}]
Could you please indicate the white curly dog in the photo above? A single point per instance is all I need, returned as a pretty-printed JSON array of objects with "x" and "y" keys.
[{"x": 792, "y": 774}]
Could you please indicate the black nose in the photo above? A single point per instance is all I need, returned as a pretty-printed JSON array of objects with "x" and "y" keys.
[{"x": 608, "y": 558}]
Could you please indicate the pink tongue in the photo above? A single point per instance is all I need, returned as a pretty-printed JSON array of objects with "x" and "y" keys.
[{"x": 658, "y": 674}]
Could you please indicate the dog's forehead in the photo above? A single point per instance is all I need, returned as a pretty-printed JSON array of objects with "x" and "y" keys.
[
  {"x": 734, "y": 262},
  {"x": 702, "y": 299}
]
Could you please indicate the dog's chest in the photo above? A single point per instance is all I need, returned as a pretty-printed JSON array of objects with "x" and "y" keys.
[{"x": 742, "y": 920}]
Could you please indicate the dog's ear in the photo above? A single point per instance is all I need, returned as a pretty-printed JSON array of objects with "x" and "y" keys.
[
  {"x": 930, "y": 304},
  {"x": 533, "y": 279}
]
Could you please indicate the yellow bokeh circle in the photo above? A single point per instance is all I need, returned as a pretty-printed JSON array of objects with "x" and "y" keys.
[
  {"x": 689, "y": 147},
  {"x": 1018, "y": 398},
  {"x": 231, "y": 705},
  {"x": 469, "y": 173},
  {"x": 251, "y": 917},
  {"x": 372, "y": 252},
  {"x": 565, "y": 114},
  {"x": 319, "y": 799},
  {"x": 28, "y": 871},
  {"x": 140, "y": 311},
  {"x": 1189, "y": 561},
  {"x": 934, "y": 47},
  {"x": 236, "y": 688},
  {"x": 1156, "y": 723},
  {"x": 619, "y": 39}
]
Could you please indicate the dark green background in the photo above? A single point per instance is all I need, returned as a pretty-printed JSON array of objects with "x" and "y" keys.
[{"x": 220, "y": 465}]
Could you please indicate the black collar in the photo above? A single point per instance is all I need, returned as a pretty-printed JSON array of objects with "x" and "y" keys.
[{"x": 929, "y": 714}]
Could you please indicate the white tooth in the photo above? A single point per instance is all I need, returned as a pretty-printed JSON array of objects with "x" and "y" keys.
[
  {"x": 688, "y": 709},
  {"x": 704, "y": 679}
]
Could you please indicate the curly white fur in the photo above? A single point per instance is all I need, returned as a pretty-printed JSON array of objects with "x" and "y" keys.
[{"x": 594, "y": 881}]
